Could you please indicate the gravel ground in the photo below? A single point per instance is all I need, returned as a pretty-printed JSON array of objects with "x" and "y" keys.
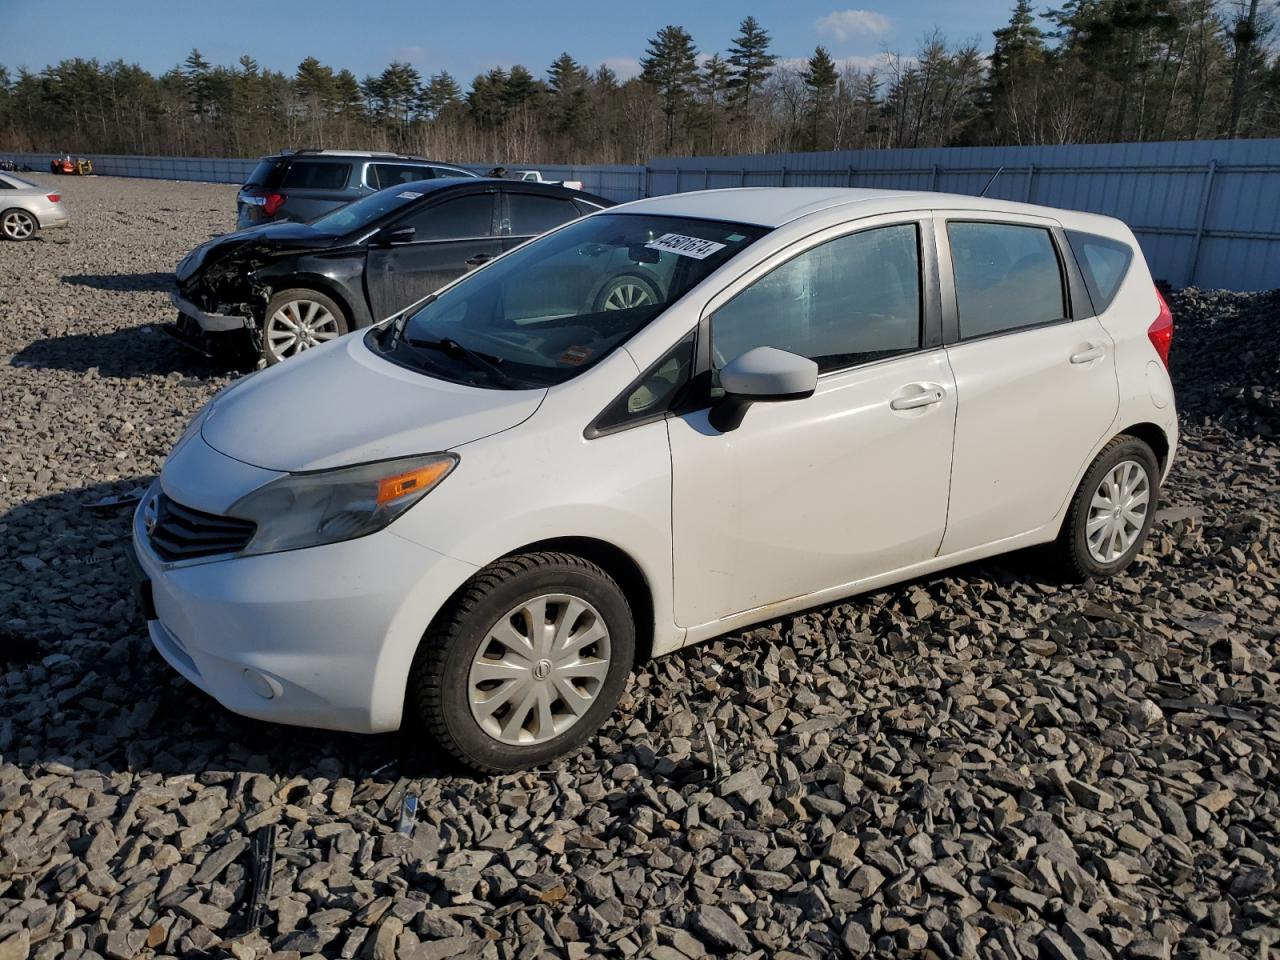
[{"x": 983, "y": 764}]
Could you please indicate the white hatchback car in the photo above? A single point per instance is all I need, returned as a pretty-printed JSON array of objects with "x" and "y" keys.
[{"x": 479, "y": 514}]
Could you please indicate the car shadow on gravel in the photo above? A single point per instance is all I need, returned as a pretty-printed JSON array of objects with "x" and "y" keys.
[
  {"x": 82, "y": 685},
  {"x": 155, "y": 282},
  {"x": 145, "y": 350}
]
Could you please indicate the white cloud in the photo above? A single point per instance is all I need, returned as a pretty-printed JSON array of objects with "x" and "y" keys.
[
  {"x": 844, "y": 24},
  {"x": 624, "y": 67}
]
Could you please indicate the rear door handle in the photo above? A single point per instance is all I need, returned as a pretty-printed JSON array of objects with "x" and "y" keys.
[
  {"x": 1093, "y": 351},
  {"x": 920, "y": 395},
  {"x": 478, "y": 259}
]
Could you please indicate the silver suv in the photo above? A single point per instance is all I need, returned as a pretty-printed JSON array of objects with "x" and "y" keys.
[{"x": 303, "y": 184}]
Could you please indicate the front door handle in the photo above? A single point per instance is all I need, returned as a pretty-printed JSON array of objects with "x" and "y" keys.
[
  {"x": 919, "y": 395},
  {"x": 1091, "y": 351},
  {"x": 478, "y": 259}
]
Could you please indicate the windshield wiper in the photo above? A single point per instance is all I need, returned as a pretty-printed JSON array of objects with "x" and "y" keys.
[{"x": 454, "y": 349}]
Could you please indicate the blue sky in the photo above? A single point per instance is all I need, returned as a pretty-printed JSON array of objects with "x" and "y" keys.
[{"x": 464, "y": 37}]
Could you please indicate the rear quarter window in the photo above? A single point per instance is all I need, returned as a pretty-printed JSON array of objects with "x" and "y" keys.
[
  {"x": 384, "y": 175},
  {"x": 266, "y": 174},
  {"x": 1104, "y": 263},
  {"x": 316, "y": 175}
]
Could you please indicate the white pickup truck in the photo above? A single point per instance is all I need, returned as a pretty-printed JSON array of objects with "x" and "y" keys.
[{"x": 536, "y": 177}]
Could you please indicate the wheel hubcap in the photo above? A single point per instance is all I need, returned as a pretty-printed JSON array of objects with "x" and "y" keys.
[
  {"x": 1118, "y": 511},
  {"x": 18, "y": 225},
  {"x": 539, "y": 669},
  {"x": 299, "y": 325},
  {"x": 627, "y": 295}
]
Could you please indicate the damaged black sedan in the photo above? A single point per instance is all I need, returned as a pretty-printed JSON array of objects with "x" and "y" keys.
[{"x": 292, "y": 286}]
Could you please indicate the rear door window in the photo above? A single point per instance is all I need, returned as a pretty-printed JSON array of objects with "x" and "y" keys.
[
  {"x": 316, "y": 175},
  {"x": 383, "y": 175},
  {"x": 531, "y": 214},
  {"x": 1007, "y": 277},
  {"x": 461, "y": 218},
  {"x": 1104, "y": 263}
]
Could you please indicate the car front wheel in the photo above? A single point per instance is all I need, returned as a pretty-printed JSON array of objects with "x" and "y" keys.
[
  {"x": 298, "y": 320},
  {"x": 525, "y": 663},
  {"x": 1112, "y": 510}
]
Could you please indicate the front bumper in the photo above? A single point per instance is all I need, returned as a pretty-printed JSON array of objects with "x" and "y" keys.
[
  {"x": 209, "y": 322},
  {"x": 321, "y": 637}
]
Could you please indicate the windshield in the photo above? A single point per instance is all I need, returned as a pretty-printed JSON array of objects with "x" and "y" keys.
[
  {"x": 563, "y": 302},
  {"x": 360, "y": 213}
]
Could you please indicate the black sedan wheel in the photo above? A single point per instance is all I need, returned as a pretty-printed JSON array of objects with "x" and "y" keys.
[{"x": 298, "y": 320}]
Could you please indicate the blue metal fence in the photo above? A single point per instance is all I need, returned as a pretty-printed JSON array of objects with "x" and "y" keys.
[{"x": 1207, "y": 212}]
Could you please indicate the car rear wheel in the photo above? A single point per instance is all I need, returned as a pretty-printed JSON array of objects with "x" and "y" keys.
[
  {"x": 626, "y": 293},
  {"x": 1112, "y": 510},
  {"x": 525, "y": 663},
  {"x": 18, "y": 225},
  {"x": 298, "y": 320}
]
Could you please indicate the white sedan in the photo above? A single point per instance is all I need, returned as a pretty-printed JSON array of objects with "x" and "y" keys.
[
  {"x": 26, "y": 208},
  {"x": 478, "y": 515}
]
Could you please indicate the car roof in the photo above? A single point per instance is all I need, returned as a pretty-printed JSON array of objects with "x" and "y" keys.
[
  {"x": 359, "y": 155},
  {"x": 19, "y": 183},
  {"x": 774, "y": 206},
  {"x": 519, "y": 186}
]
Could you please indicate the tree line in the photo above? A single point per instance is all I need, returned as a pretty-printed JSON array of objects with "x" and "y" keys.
[{"x": 1090, "y": 71}]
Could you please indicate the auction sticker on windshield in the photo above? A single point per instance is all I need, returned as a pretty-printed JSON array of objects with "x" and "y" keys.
[{"x": 694, "y": 247}]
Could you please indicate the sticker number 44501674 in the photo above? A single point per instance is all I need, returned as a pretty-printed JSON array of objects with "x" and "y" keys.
[{"x": 694, "y": 247}]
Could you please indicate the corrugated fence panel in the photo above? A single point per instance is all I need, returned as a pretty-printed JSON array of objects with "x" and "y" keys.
[{"x": 1206, "y": 212}]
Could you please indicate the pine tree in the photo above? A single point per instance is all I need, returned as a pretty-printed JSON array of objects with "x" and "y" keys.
[
  {"x": 670, "y": 65},
  {"x": 314, "y": 81},
  {"x": 751, "y": 61},
  {"x": 569, "y": 106},
  {"x": 195, "y": 70},
  {"x": 441, "y": 92},
  {"x": 820, "y": 76}
]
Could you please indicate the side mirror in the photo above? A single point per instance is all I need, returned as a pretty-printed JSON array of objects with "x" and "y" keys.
[
  {"x": 390, "y": 235},
  {"x": 762, "y": 375}
]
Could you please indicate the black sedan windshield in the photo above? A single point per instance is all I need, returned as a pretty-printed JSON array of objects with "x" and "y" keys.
[
  {"x": 360, "y": 213},
  {"x": 561, "y": 303}
]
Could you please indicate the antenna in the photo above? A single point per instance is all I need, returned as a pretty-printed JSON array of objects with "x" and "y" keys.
[{"x": 999, "y": 171}]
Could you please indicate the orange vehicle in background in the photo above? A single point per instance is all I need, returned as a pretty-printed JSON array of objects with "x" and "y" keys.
[{"x": 73, "y": 166}]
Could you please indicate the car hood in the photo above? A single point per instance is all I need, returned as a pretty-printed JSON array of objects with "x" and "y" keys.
[
  {"x": 262, "y": 240},
  {"x": 342, "y": 404}
]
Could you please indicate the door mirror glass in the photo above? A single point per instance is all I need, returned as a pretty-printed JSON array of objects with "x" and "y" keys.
[{"x": 760, "y": 375}]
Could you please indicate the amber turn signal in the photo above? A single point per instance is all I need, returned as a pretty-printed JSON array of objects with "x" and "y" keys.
[{"x": 393, "y": 488}]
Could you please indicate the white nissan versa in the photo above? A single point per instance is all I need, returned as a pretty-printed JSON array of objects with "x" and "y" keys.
[{"x": 479, "y": 514}]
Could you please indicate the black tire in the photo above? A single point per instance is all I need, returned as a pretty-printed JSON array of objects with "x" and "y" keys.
[
  {"x": 273, "y": 353},
  {"x": 634, "y": 281},
  {"x": 438, "y": 692},
  {"x": 1072, "y": 546},
  {"x": 16, "y": 214}
]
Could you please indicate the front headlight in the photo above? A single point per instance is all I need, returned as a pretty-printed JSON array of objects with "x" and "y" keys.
[{"x": 310, "y": 509}]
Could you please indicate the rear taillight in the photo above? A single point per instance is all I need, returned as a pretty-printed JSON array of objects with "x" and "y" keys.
[
  {"x": 1161, "y": 330},
  {"x": 272, "y": 202},
  {"x": 54, "y": 197}
]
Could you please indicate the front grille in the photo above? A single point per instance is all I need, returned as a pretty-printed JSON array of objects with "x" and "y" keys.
[{"x": 181, "y": 533}]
